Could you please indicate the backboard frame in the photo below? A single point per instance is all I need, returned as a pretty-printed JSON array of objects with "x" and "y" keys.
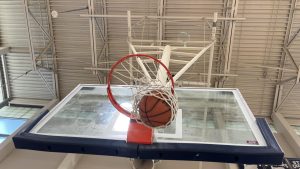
[{"x": 269, "y": 154}]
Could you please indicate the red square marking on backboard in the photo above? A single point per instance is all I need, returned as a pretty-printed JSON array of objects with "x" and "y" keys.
[{"x": 139, "y": 133}]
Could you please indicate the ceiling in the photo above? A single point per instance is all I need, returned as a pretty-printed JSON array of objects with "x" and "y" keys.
[{"x": 258, "y": 64}]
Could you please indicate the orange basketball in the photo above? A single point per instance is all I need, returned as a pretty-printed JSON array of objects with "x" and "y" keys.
[{"x": 154, "y": 112}]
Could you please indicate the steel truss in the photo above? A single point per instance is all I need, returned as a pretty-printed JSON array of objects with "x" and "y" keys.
[
  {"x": 37, "y": 61},
  {"x": 167, "y": 50},
  {"x": 289, "y": 39}
]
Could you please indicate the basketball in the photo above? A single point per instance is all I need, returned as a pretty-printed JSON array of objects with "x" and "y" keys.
[{"x": 154, "y": 111}]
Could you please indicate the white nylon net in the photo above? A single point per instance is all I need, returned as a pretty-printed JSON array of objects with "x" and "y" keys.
[{"x": 155, "y": 89}]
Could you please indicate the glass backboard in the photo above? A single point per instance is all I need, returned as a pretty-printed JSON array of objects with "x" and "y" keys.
[{"x": 216, "y": 118}]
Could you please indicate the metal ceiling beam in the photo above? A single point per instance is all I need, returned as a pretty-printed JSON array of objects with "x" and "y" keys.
[
  {"x": 34, "y": 60},
  {"x": 28, "y": 27},
  {"x": 230, "y": 36},
  {"x": 105, "y": 25},
  {"x": 170, "y": 41},
  {"x": 285, "y": 51},
  {"x": 212, "y": 48},
  {"x": 102, "y": 32},
  {"x": 287, "y": 34},
  {"x": 222, "y": 42},
  {"x": 161, "y": 17},
  {"x": 53, "y": 53},
  {"x": 161, "y": 23},
  {"x": 91, "y": 10}
]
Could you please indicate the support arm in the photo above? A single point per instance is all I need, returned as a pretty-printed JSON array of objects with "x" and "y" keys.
[
  {"x": 165, "y": 59},
  {"x": 191, "y": 62}
]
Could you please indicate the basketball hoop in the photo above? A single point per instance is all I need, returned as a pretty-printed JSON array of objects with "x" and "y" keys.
[{"x": 154, "y": 102}]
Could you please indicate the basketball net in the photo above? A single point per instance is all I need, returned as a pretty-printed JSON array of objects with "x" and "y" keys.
[
  {"x": 143, "y": 84},
  {"x": 158, "y": 83},
  {"x": 159, "y": 91}
]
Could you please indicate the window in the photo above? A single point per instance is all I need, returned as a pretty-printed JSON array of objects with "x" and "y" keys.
[{"x": 11, "y": 118}]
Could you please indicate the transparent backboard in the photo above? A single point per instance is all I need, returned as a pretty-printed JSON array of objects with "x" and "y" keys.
[{"x": 211, "y": 116}]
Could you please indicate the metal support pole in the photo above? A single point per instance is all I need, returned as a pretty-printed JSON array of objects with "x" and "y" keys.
[
  {"x": 160, "y": 22},
  {"x": 129, "y": 26},
  {"x": 55, "y": 75},
  {"x": 131, "y": 48},
  {"x": 103, "y": 48},
  {"x": 106, "y": 35},
  {"x": 92, "y": 35},
  {"x": 212, "y": 48},
  {"x": 275, "y": 102},
  {"x": 191, "y": 62},
  {"x": 140, "y": 62},
  {"x": 230, "y": 36},
  {"x": 221, "y": 53},
  {"x": 30, "y": 43},
  {"x": 5, "y": 73},
  {"x": 103, "y": 34}
]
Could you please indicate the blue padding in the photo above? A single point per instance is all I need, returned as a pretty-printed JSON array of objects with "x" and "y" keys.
[
  {"x": 26, "y": 140},
  {"x": 270, "y": 154},
  {"x": 10, "y": 125},
  {"x": 75, "y": 145},
  {"x": 206, "y": 152}
]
